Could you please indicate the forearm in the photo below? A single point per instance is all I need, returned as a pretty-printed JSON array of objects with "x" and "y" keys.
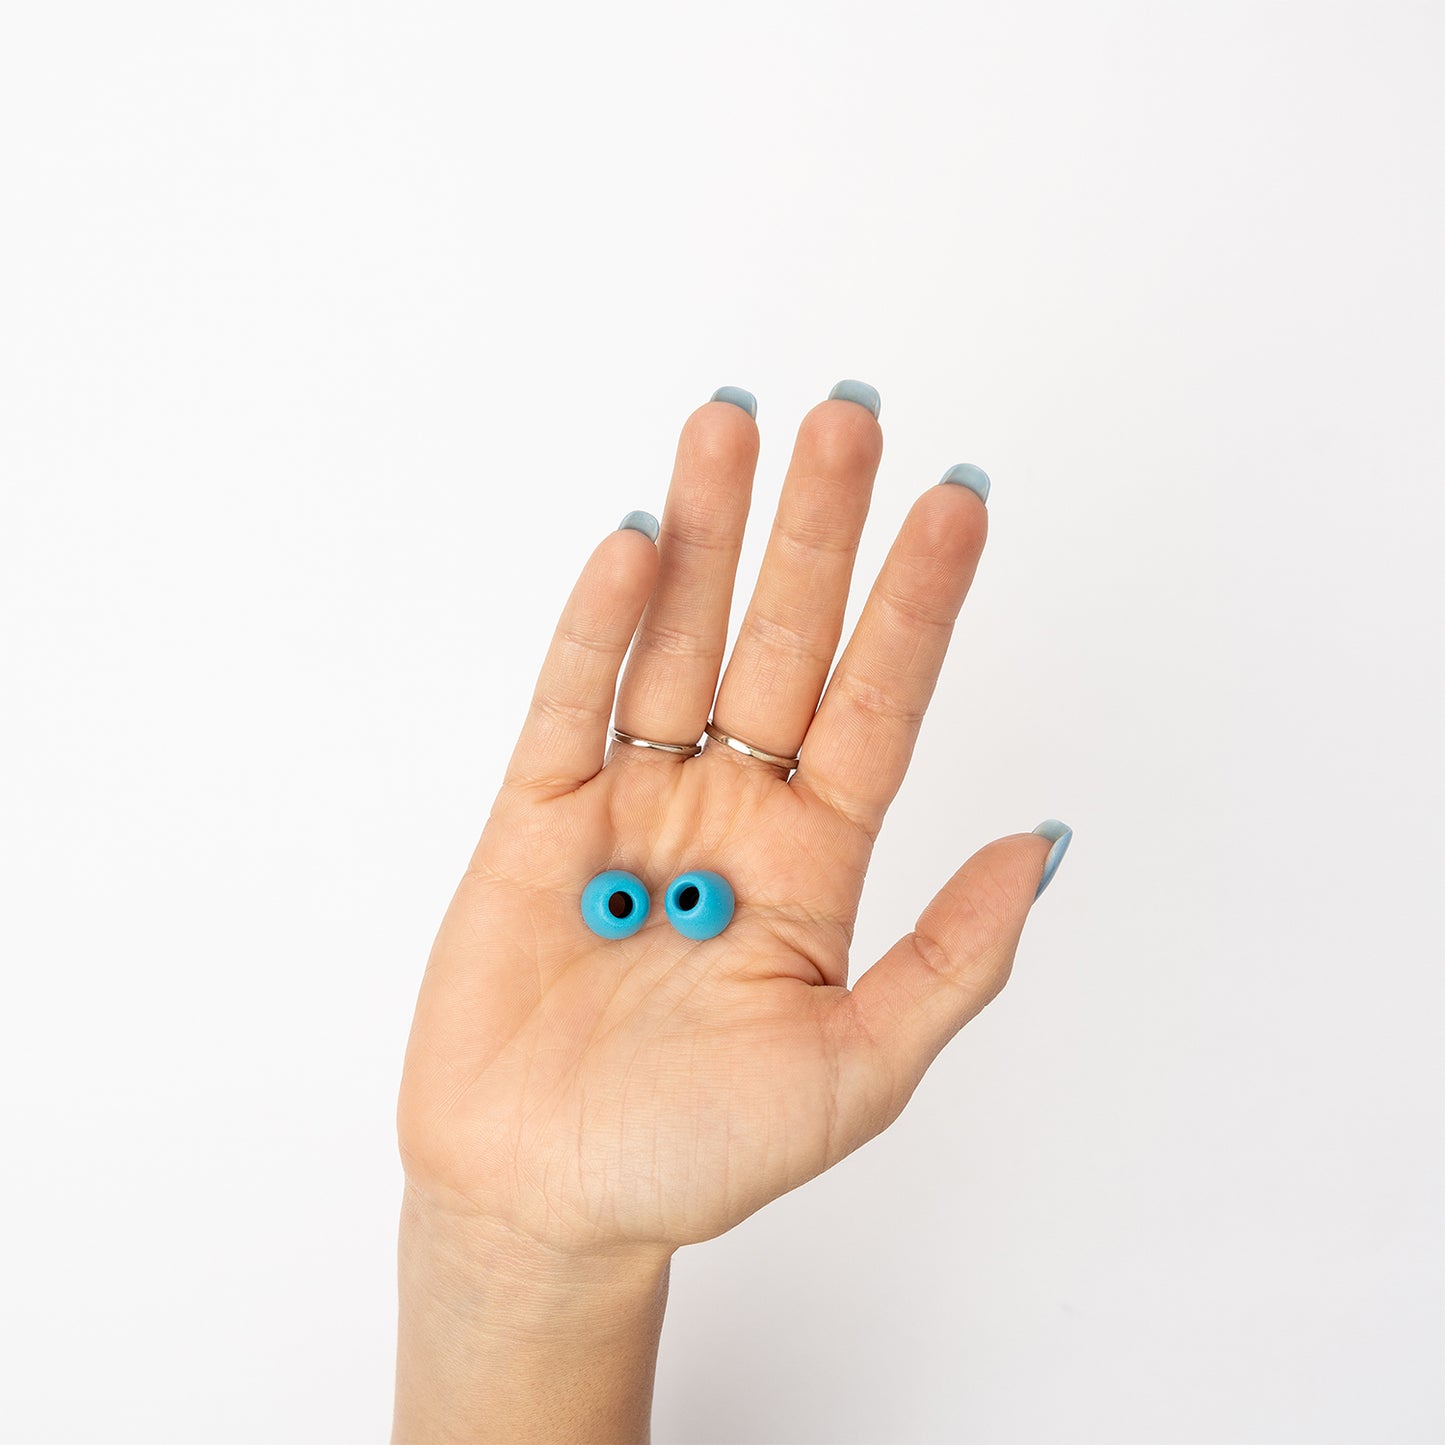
[{"x": 504, "y": 1339}]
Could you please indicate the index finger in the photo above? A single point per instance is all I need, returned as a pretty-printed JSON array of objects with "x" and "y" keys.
[{"x": 858, "y": 746}]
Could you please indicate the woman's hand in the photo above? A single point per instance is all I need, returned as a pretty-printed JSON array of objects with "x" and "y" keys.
[{"x": 603, "y": 1102}]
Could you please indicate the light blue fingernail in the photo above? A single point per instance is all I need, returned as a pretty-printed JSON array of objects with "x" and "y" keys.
[
  {"x": 643, "y": 522},
  {"x": 965, "y": 474},
  {"x": 858, "y": 391},
  {"x": 1060, "y": 833},
  {"x": 738, "y": 397}
]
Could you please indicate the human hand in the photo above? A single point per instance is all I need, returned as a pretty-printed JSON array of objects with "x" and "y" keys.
[{"x": 648, "y": 1092}]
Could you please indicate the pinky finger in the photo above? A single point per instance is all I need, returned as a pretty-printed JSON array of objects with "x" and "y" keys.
[{"x": 564, "y": 739}]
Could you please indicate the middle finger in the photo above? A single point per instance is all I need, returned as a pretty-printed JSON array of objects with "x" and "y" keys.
[{"x": 790, "y": 632}]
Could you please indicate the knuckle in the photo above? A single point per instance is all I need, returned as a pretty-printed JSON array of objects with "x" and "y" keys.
[
  {"x": 566, "y": 712},
  {"x": 672, "y": 643},
  {"x": 586, "y": 640},
  {"x": 934, "y": 957},
  {"x": 879, "y": 703},
  {"x": 699, "y": 524},
  {"x": 915, "y": 610},
  {"x": 809, "y": 534},
  {"x": 797, "y": 642}
]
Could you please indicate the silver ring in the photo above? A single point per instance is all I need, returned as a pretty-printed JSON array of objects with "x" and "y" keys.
[
  {"x": 739, "y": 746},
  {"x": 686, "y": 750}
]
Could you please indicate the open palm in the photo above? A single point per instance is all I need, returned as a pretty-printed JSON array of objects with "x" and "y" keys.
[{"x": 655, "y": 1089}]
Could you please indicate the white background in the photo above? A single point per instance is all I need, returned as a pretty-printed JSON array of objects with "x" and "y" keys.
[{"x": 332, "y": 336}]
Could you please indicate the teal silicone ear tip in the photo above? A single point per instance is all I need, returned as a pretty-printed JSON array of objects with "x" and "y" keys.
[
  {"x": 700, "y": 904},
  {"x": 615, "y": 904}
]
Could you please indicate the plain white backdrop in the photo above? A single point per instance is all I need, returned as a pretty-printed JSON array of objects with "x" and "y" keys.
[{"x": 332, "y": 336}]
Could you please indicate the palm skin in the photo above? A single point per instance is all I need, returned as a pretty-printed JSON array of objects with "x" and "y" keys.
[
  {"x": 648, "y": 1089},
  {"x": 654, "y": 1091}
]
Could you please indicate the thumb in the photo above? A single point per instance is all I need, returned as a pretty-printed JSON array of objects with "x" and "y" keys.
[{"x": 904, "y": 1009}]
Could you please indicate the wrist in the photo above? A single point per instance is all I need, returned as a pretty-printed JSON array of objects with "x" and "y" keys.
[
  {"x": 509, "y": 1338},
  {"x": 486, "y": 1274}
]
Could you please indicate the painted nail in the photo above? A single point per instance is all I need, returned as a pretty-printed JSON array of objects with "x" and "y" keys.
[
  {"x": 965, "y": 474},
  {"x": 858, "y": 391},
  {"x": 643, "y": 522},
  {"x": 738, "y": 397},
  {"x": 1059, "y": 834}
]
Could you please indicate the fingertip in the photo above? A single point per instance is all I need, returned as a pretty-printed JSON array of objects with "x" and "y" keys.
[
  {"x": 839, "y": 438},
  {"x": 624, "y": 563},
  {"x": 990, "y": 895},
  {"x": 948, "y": 525},
  {"x": 720, "y": 438}
]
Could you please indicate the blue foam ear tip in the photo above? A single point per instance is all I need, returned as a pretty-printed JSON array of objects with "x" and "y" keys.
[
  {"x": 700, "y": 904},
  {"x": 615, "y": 904}
]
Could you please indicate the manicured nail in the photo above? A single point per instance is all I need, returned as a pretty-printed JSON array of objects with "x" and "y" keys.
[
  {"x": 965, "y": 474},
  {"x": 1059, "y": 833},
  {"x": 643, "y": 522},
  {"x": 738, "y": 397},
  {"x": 858, "y": 391}
]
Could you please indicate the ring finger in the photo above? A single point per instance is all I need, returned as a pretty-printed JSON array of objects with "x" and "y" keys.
[{"x": 673, "y": 666}]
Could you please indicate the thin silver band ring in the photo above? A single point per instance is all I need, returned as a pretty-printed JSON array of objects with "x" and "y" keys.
[
  {"x": 739, "y": 746},
  {"x": 686, "y": 750}
]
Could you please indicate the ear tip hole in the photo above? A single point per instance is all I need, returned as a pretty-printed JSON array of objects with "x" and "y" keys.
[
  {"x": 687, "y": 897},
  {"x": 619, "y": 905}
]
